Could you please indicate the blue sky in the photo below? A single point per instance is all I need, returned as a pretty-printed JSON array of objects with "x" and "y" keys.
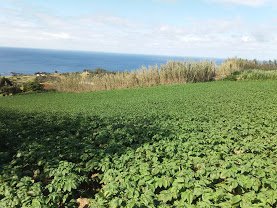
[{"x": 206, "y": 28}]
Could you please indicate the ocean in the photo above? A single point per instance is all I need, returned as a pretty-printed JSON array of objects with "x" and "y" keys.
[{"x": 29, "y": 61}]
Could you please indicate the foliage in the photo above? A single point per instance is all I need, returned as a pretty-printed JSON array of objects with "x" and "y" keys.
[
  {"x": 229, "y": 66},
  {"x": 5, "y": 82},
  {"x": 33, "y": 86},
  {"x": 7, "y": 87},
  {"x": 258, "y": 75},
  {"x": 15, "y": 74},
  {"x": 252, "y": 75},
  {"x": 169, "y": 73},
  {"x": 9, "y": 90},
  {"x": 195, "y": 145},
  {"x": 98, "y": 71},
  {"x": 47, "y": 78}
]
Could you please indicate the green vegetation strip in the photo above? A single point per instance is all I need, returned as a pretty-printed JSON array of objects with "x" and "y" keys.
[{"x": 194, "y": 145}]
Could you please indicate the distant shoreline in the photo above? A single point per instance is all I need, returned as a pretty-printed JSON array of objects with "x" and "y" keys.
[
  {"x": 29, "y": 61},
  {"x": 113, "y": 53}
]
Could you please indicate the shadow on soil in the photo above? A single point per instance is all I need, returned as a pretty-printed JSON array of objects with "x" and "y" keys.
[{"x": 32, "y": 142}]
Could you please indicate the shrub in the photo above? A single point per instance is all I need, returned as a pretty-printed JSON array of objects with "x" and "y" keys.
[
  {"x": 233, "y": 76},
  {"x": 258, "y": 75},
  {"x": 47, "y": 78},
  {"x": 32, "y": 87},
  {"x": 9, "y": 90},
  {"x": 5, "y": 82},
  {"x": 7, "y": 87},
  {"x": 98, "y": 71}
]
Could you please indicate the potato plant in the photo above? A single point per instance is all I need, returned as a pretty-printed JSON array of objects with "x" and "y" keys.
[{"x": 194, "y": 145}]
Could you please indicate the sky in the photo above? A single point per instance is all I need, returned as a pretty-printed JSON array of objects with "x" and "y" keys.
[{"x": 199, "y": 28}]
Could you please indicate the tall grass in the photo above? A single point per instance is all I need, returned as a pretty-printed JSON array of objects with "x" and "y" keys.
[
  {"x": 170, "y": 73},
  {"x": 258, "y": 75},
  {"x": 237, "y": 65}
]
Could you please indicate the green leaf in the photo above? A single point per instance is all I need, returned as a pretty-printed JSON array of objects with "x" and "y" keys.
[
  {"x": 236, "y": 200},
  {"x": 187, "y": 196}
]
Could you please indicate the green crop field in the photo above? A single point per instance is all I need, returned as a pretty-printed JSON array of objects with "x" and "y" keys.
[{"x": 195, "y": 145}]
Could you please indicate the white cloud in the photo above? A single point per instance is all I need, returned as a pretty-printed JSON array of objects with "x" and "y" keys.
[
  {"x": 252, "y": 3},
  {"x": 60, "y": 35},
  {"x": 206, "y": 37},
  {"x": 193, "y": 38},
  {"x": 246, "y": 38}
]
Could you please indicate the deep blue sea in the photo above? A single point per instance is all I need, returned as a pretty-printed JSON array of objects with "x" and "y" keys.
[{"x": 28, "y": 61}]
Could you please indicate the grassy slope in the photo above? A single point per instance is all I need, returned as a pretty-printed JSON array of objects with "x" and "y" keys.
[{"x": 195, "y": 131}]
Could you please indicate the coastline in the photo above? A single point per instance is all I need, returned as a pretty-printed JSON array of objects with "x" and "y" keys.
[{"x": 30, "y": 61}]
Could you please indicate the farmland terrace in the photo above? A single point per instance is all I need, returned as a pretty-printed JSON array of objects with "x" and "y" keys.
[{"x": 195, "y": 145}]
